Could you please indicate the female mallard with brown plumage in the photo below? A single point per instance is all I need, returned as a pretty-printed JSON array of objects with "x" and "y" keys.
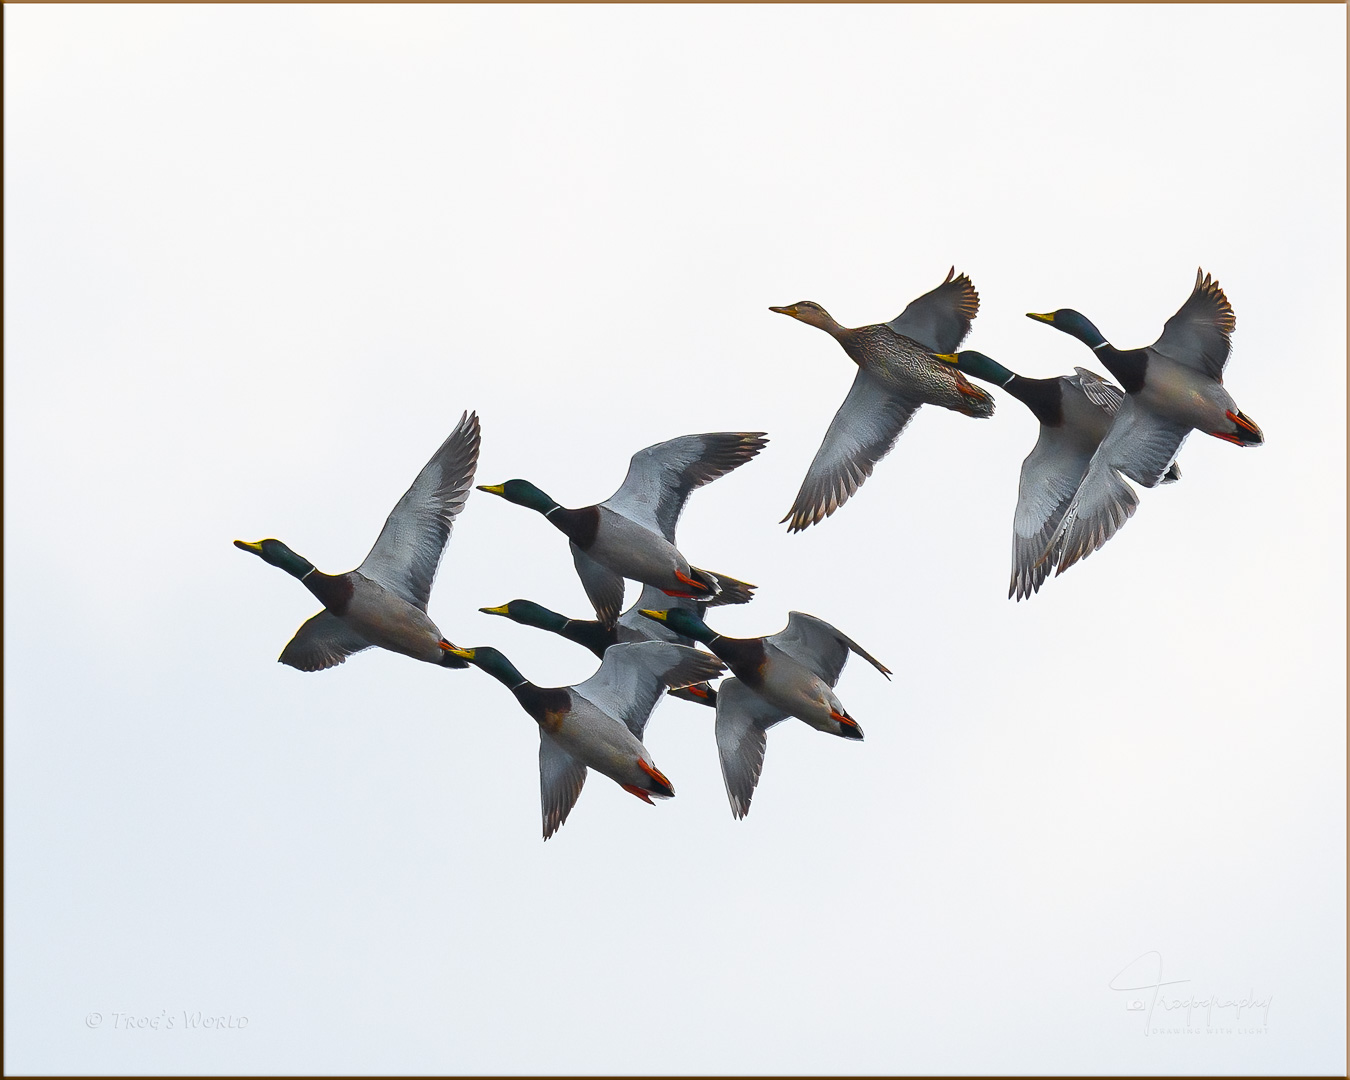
[{"x": 897, "y": 373}]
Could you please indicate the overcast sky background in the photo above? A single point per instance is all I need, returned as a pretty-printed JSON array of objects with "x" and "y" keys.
[{"x": 259, "y": 260}]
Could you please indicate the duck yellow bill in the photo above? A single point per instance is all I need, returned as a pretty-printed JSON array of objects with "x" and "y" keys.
[
  {"x": 791, "y": 309},
  {"x": 494, "y": 489},
  {"x": 1047, "y": 317},
  {"x": 946, "y": 358},
  {"x": 463, "y": 654},
  {"x": 495, "y": 610},
  {"x": 256, "y": 548},
  {"x": 661, "y": 615}
]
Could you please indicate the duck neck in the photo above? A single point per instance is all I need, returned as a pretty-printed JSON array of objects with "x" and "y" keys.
[
  {"x": 590, "y": 634},
  {"x": 333, "y": 591},
  {"x": 501, "y": 669},
  {"x": 579, "y": 526},
  {"x": 1044, "y": 397}
]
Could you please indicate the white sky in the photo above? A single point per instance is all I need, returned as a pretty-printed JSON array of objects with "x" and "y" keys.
[{"x": 259, "y": 259}]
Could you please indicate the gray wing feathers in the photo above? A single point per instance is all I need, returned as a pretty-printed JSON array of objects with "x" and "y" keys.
[
  {"x": 743, "y": 717},
  {"x": 817, "y": 645},
  {"x": 323, "y": 641},
  {"x": 408, "y": 551},
  {"x": 861, "y": 434},
  {"x": 1050, "y": 477},
  {"x": 632, "y": 677},
  {"x": 1105, "y": 395},
  {"x": 661, "y": 477},
  {"x": 560, "y": 779},
  {"x": 604, "y": 588},
  {"x": 1198, "y": 335},
  {"x": 1140, "y": 445},
  {"x": 940, "y": 319}
]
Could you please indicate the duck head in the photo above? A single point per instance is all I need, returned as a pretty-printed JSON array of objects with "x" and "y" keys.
[
  {"x": 1074, "y": 323},
  {"x": 683, "y": 622},
  {"x": 811, "y": 313},
  {"x": 977, "y": 364},
  {"x": 528, "y": 613},
  {"x": 278, "y": 554},
  {"x": 521, "y": 492}
]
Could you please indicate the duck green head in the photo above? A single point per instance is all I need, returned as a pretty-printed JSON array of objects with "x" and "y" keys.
[
  {"x": 521, "y": 492},
  {"x": 493, "y": 662},
  {"x": 1072, "y": 322},
  {"x": 528, "y": 613},
  {"x": 977, "y": 364},
  {"x": 683, "y": 622},
  {"x": 278, "y": 554}
]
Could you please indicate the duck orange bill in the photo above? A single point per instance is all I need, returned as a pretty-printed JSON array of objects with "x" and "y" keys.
[
  {"x": 632, "y": 790},
  {"x": 699, "y": 588},
  {"x": 847, "y": 721},
  {"x": 657, "y": 775},
  {"x": 1243, "y": 422}
]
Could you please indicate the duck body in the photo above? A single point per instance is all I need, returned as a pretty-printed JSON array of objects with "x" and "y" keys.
[
  {"x": 897, "y": 373},
  {"x": 598, "y": 724},
  {"x": 791, "y": 673},
  {"x": 1172, "y": 387},
  {"x": 632, "y": 533},
  {"x": 1075, "y": 412},
  {"x": 381, "y": 617},
  {"x": 786, "y": 684},
  {"x": 382, "y": 603},
  {"x": 906, "y": 367}
]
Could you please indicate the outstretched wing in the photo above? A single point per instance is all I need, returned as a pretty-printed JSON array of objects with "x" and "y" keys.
[
  {"x": 661, "y": 477},
  {"x": 560, "y": 779},
  {"x": 1198, "y": 335},
  {"x": 1142, "y": 446},
  {"x": 322, "y": 642},
  {"x": 861, "y": 434},
  {"x": 822, "y": 648},
  {"x": 743, "y": 717},
  {"x": 940, "y": 319},
  {"x": 604, "y": 588},
  {"x": 1050, "y": 477},
  {"x": 408, "y": 551},
  {"x": 632, "y": 677}
]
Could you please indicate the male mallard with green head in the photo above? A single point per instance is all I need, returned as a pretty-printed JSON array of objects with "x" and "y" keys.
[
  {"x": 1075, "y": 413},
  {"x": 383, "y": 602},
  {"x": 1172, "y": 387},
  {"x": 790, "y": 673},
  {"x": 632, "y": 533},
  {"x": 599, "y": 723}
]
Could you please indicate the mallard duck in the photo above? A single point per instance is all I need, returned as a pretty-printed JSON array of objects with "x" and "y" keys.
[
  {"x": 896, "y": 374},
  {"x": 383, "y": 602},
  {"x": 632, "y": 533},
  {"x": 790, "y": 673},
  {"x": 594, "y": 635},
  {"x": 1172, "y": 387},
  {"x": 599, "y": 723},
  {"x": 1075, "y": 412}
]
